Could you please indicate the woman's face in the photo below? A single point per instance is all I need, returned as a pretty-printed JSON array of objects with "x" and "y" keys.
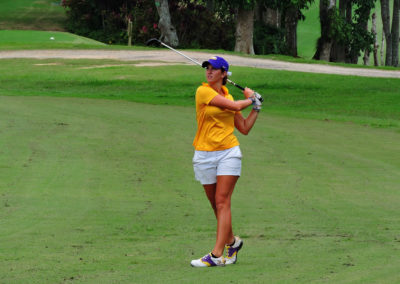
[{"x": 214, "y": 75}]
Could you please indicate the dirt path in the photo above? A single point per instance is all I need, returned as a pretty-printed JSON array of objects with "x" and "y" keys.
[{"x": 170, "y": 56}]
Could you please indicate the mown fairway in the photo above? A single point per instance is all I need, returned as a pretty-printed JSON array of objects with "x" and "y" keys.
[{"x": 96, "y": 187}]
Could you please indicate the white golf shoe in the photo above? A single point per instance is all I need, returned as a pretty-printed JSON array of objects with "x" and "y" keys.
[
  {"x": 232, "y": 251},
  {"x": 208, "y": 261}
]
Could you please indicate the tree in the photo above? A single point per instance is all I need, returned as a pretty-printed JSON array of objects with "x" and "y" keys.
[
  {"x": 391, "y": 35},
  {"x": 107, "y": 20},
  {"x": 376, "y": 46},
  {"x": 385, "y": 12},
  {"x": 244, "y": 18},
  {"x": 361, "y": 39},
  {"x": 269, "y": 36},
  {"x": 285, "y": 16},
  {"x": 326, "y": 15},
  {"x": 200, "y": 27},
  {"x": 244, "y": 10},
  {"x": 291, "y": 11},
  {"x": 168, "y": 31},
  {"x": 344, "y": 32},
  {"x": 339, "y": 47},
  {"x": 244, "y": 30},
  {"x": 395, "y": 33}
]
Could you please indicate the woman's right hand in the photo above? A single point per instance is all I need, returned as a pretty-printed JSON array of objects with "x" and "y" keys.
[{"x": 248, "y": 93}]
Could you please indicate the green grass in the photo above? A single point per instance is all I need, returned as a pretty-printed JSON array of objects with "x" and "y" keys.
[
  {"x": 23, "y": 39},
  {"x": 37, "y": 40},
  {"x": 32, "y": 15},
  {"x": 375, "y": 101},
  {"x": 96, "y": 182},
  {"x": 100, "y": 191},
  {"x": 308, "y": 32}
]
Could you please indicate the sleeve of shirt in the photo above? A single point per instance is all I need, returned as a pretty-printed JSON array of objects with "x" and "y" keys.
[
  {"x": 230, "y": 97},
  {"x": 204, "y": 95}
]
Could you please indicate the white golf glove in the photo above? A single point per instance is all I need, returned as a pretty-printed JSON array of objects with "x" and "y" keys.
[
  {"x": 257, "y": 102},
  {"x": 258, "y": 96}
]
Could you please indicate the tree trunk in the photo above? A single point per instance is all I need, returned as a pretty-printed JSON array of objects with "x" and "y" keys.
[
  {"x": 385, "y": 11},
  {"x": 168, "y": 31},
  {"x": 272, "y": 17},
  {"x": 395, "y": 33},
  {"x": 338, "y": 52},
  {"x": 367, "y": 51},
  {"x": 325, "y": 53},
  {"x": 325, "y": 41},
  {"x": 244, "y": 31},
  {"x": 383, "y": 48},
  {"x": 349, "y": 20},
  {"x": 291, "y": 20},
  {"x": 376, "y": 45},
  {"x": 366, "y": 57}
]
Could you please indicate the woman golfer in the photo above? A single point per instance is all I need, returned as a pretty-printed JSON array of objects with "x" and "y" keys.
[{"x": 217, "y": 158}]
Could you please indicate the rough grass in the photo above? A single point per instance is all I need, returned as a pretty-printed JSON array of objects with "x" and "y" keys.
[
  {"x": 32, "y": 15},
  {"x": 370, "y": 101},
  {"x": 22, "y": 39}
]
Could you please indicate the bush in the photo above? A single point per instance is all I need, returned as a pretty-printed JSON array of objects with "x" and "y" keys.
[
  {"x": 106, "y": 21},
  {"x": 268, "y": 39},
  {"x": 198, "y": 27}
]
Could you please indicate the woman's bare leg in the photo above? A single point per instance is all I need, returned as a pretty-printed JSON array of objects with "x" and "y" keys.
[
  {"x": 210, "y": 190},
  {"x": 222, "y": 202}
]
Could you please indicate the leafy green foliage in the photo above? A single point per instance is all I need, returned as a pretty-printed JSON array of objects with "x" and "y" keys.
[
  {"x": 353, "y": 35},
  {"x": 291, "y": 11},
  {"x": 199, "y": 27},
  {"x": 268, "y": 39},
  {"x": 196, "y": 26},
  {"x": 243, "y": 4},
  {"x": 106, "y": 21}
]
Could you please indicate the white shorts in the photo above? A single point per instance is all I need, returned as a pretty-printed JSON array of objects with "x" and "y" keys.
[{"x": 208, "y": 165}]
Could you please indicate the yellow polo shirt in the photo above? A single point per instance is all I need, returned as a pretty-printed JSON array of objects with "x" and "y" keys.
[{"x": 215, "y": 126}]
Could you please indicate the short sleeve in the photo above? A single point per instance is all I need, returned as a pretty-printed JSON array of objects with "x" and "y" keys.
[{"x": 204, "y": 95}]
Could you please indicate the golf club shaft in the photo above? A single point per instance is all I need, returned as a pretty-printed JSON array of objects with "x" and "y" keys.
[
  {"x": 236, "y": 85},
  {"x": 197, "y": 63},
  {"x": 187, "y": 57}
]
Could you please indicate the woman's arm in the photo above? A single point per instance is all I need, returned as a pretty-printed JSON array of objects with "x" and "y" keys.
[
  {"x": 222, "y": 102},
  {"x": 244, "y": 125}
]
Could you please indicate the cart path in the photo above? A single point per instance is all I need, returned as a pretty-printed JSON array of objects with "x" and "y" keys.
[{"x": 172, "y": 57}]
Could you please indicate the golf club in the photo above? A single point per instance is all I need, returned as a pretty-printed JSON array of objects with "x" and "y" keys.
[{"x": 154, "y": 40}]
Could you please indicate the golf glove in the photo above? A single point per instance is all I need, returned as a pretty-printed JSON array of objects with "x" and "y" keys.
[
  {"x": 257, "y": 102},
  {"x": 258, "y": 96}
]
